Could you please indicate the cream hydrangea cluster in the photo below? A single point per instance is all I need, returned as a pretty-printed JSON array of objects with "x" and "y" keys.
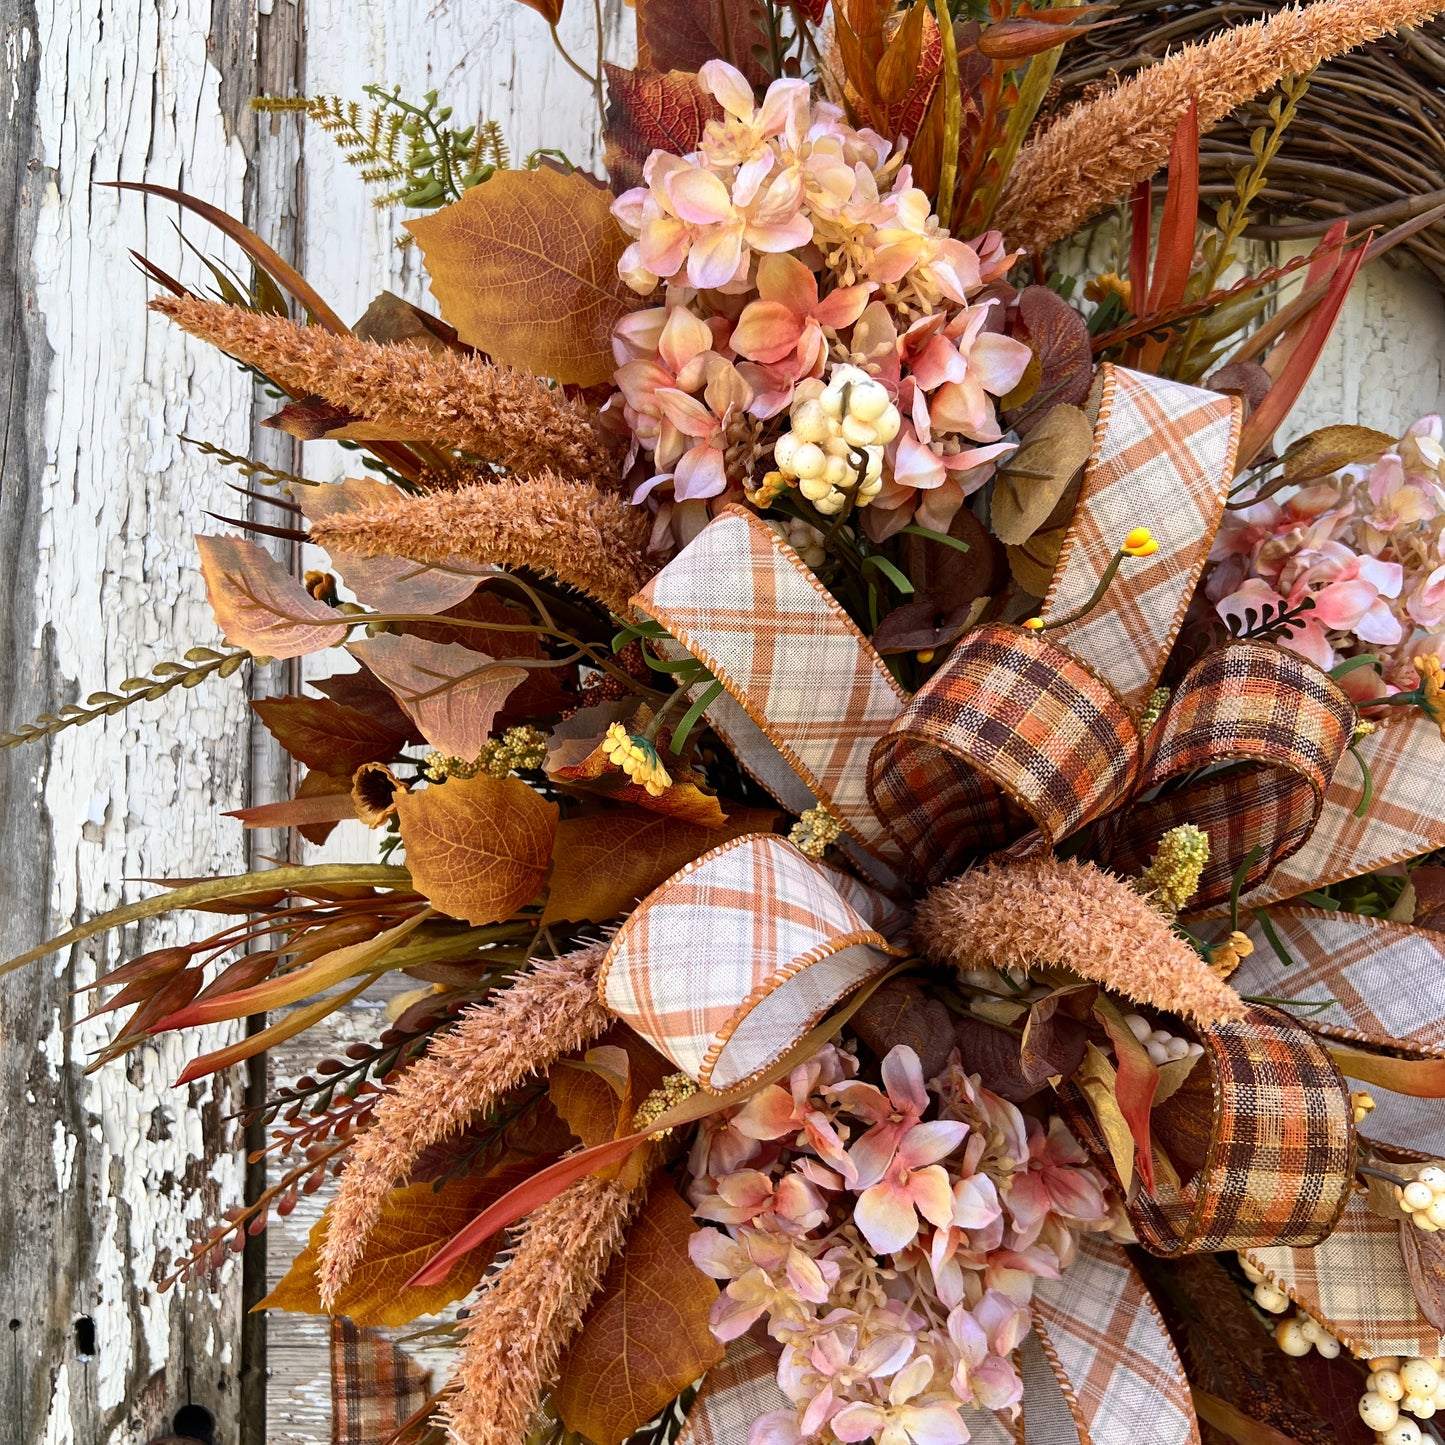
[{"x": 892, "y": 1256}]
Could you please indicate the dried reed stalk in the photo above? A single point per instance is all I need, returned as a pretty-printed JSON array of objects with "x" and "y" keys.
[
  {"x": 1101, "y": 148},
  {"x": 548, "y": 1012},
  {"x": 590, "y": 539},
  {"x": 1045, "y": 912},
  {"x": 446, "y": 398},
  {"x": 521, "y": 1324}
]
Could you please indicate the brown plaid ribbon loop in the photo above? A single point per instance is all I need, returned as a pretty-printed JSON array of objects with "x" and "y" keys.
[
  {"x": 1282, "y": 721},
  {"x": 1278, "y": 1162},
  {"x": 1011, "y": 736}
]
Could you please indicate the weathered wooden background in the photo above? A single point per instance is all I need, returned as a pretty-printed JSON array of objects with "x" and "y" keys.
[{"x": 106, "y": 1178}]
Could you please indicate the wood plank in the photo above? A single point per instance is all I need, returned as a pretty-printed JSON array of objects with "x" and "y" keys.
[{"x": 107, "y": 1178}]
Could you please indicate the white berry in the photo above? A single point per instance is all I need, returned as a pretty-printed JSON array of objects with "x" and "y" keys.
[
  {"x": 1422, "y": 1407},
  {"x": 1377, "y": 1412},
  {"x": 1419, "y": 1377},
  {"x": 1267, "y": 1297},
  {"x": 868, "y": 400},
  {"x": 1433, "y": 1176},
  {"x": 1387, "y": 1384},
  {"x": 1402, "y": 1432},
  {"x": 1419, "y": 1195},
  {"x": 1176, "y": 1049},
  {"x": 1329, "y": 1347},
  {"x": 1139, "y": 1026},
  {"x": 1291, "y": 1338}
]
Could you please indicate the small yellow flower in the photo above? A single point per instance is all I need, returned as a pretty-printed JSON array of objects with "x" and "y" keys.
[
  {"x": 1110, "y": 283},
  {"x": 1432, "y": 688},
  {"x": 1362, "y": 1105},
  {"x": 1139, "y": 543},
  {"x": 637, "y": 757},
  {"x": 1034, "y": 624},
  {"x": 772, "y": 486}
]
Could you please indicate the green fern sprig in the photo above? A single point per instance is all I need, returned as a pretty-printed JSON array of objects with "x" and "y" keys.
[
  {"x": 408, "y": 153},
  {"x": 164, "y": 678},
  {"x": 249, "y": 467}
]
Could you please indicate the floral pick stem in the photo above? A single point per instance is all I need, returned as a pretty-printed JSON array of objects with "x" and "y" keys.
[{"x": 1139, "y": 543}]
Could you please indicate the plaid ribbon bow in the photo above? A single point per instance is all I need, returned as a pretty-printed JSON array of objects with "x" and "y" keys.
[{"x": 1019, "y": 741}]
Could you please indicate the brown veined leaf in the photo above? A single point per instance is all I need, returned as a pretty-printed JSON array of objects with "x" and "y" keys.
[
  {"x": 310, "y": 418},
  {"x": 607, "y": 862},
  {"x": 646, "y": 1338},
  {"x": 453, "y": 692},
  {"x": 324, "y": 734},
  {"x": 365, "y": 693},
  {"x": 389, "y": 584},
  {"x": 686, "y": 34},
  {"x": 259, "y": 605},
  {"x": 525, "y": 268},
  {"x": 477, "y": 848},
  {"x": 1032, "y": 564},
  {"x": 1030, "y": 482},
  {"x": 414, "y": 1221},
  {"x": 1424, "y": 1256},
  {"x": 650, "y": 110},
  {"x": 1060, "y": 339},
  {"x": 389, "y": 321}
]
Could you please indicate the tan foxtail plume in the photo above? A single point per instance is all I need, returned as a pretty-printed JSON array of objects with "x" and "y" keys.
[
  {"x": 588, "y": 538},
  {"x": 446, "y": 398},
  {"x": 548, "y": 1012},
  {"x": 523, "y": 1320},
  {"x": 1101, "y": 148},
  {"x": 1054, "y": 912}
]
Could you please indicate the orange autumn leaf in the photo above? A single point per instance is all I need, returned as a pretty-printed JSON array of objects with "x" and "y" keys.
[
  {"x": 607, "y": 862},
  {"x": 525, "y": 268},
  {"x": 477, "y": 848},
  {"x": 414, "y": 1222},
  {"x": 261, "y": 606},
  {"x": 646, "y": 1338}
]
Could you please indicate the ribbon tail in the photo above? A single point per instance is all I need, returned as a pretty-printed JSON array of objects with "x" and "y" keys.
[{"x": 1114, "y": 1361}]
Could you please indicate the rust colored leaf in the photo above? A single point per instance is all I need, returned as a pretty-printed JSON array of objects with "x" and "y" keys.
[
  {"x": 324, "y": 734},
  {"x": 649, "y": 110},
  {"x": 389, "y": 584},
  {"x": 259, "y": 605},
  {"x": 390, "y": 320},
  {"x": 414, "y": 1221},
  {"x": 453, "y": 692},
  {"x": 993, "y": 1053},
  {"x": 686, "y": 34},
  {"x": 322, "y": 801},
  {"x": 607, "y": 862},
  {"x": 477, "y": 848},
  {"x": 310, "y": 418},
  {"x": 1326, "y": 451},
  {"x": 362, "y": 691},
  {"x": 1429, "y": 884},
  {"x": 646, "y": 1338},
  {"x": 525, "y": 267},
  {"x": 549, "y": 10},
  {"x": 594, "y": 1094},
  {"x": 1137, "y": 1081}
]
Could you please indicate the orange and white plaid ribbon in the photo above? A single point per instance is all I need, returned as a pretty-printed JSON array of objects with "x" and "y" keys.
[{"x": 1017, "y": 742}]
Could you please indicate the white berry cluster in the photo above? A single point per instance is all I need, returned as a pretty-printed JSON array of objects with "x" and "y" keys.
[
  {"x": 1266, "y": 1296},
  {"x": 1415, "y": 1386},
  {"x": 1303, "y": 1333},
  {"x": 805, "y": 540},
  {"x": 853, "y": 412},
  {"x": 1161, "y": 1046},
  {"x": 1423, "y": 1199}
]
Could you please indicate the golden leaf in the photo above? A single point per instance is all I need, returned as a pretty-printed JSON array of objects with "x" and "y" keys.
[
  {"x": 1098, "y": 1083},
  {"x": 525, "y": 268},
  {"x": 477, "y": 848},
  {"x": 1324, "y": 452},
  {"x": 607, "y": 862},
  {"x": 646, "y": 1338},
  {"x": 415, "y": 1222}
]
